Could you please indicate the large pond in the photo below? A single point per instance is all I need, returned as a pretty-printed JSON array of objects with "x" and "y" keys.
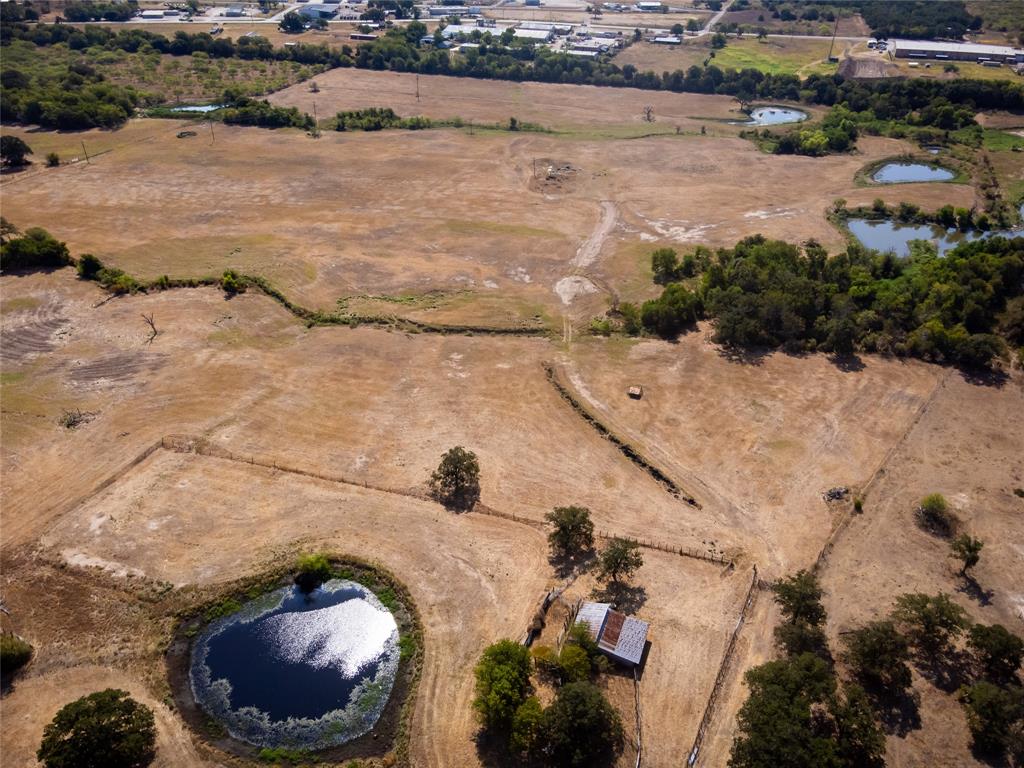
[
  {"x": 307, "y": 671},
  {"x": 202, "y": 108},
  {"x": 892, "y": 236},
  {"x": 902, "y": 173},
  {"x": 774, "y": 116}
]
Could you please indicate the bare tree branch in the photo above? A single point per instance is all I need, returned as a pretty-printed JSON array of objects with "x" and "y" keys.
[{"x": 152, "y": 328}]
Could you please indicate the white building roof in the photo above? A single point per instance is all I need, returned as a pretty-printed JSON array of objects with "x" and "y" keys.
[
  {"x": 533, "y": 34},
  {"x": 584, "y": 54},
  {"x": 974, "y": 49},
  {"x": 593, "y": 615}
]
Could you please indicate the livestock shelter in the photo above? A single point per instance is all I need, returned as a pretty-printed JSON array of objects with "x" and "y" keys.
[{"x": 620, "y": 637}]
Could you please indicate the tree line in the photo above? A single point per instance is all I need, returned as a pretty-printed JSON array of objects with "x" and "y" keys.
[{"x": 940, "y": 103}]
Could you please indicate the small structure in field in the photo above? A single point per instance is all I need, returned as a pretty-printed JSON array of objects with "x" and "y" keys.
[
  {"x": 622, "y": 638},
  {"x": 635, "y": 392}
]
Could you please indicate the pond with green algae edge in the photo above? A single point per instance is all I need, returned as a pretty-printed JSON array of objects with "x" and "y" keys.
[{"x": 305, "y": 671}]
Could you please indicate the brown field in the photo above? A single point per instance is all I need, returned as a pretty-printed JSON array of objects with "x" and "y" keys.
[{"x": 454, "y": 226}]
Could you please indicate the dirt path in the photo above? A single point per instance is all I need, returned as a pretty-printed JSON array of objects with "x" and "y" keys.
[{"x": 591, "y": 248}]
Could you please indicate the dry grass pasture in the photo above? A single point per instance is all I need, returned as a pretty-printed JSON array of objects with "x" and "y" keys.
[{"x": 455, "y": 226}]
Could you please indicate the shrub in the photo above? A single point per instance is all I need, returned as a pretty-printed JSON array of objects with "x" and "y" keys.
[
  {"x": 574, "y": 663},
  {"x": 935, "y": 516},
  {"x": 52, "y": 160},
  {"x": 107, "y": 729},
  {"x": 36, "y": 249},
  {"x": 14, "y": 653},
  {"x": 311, "y": 571},
  {"x": 545, "y": 659},
  {"x": 456, "y": 481},
  {"x": 89, "y": 266},
  {"x": 232, "y": 283}
]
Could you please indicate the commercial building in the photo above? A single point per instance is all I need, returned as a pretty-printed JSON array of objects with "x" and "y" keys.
[
  {"x": 668, "y": 40},
  {"x": 928, "y": 49},
  {"x": 649, "y": 6}
]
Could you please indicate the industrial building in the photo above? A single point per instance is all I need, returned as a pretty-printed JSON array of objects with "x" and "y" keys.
[
  {"x": 928, "y": 49},
  {"x": 668, "y": 40},
  {"x": 318, "y": 11},
  {"x": 622, "y": 638},
  {"x": 538, "y": 35},
  {"x": 454, "y": 10},
  {"x": 649, "y": 6}
]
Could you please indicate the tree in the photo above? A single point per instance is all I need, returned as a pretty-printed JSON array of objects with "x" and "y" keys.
[
  {"x": 997, "y": 651},
  {"x": 801, "y": 637},
  {"x": 648, "y": 113},
  {"x": 456, "y": 481},
  {"x": 573, "y": 531},
  {"x": 775, "y": 727},
  {"x": 934, "y": 515},
  {"x": 574, "y": 663},
  {"x": 799, "y": 597},
  {"x": 581, "y": 729},
  {"x": 13, "y": 151},
  {"x": 107, "y": 729},
  {"x": 930, "y": 622},
  {"x": 311, "y": 571},
  {"x": 860, "y": 743},
  {"x": 89, "y": 266},
  {"x": 718, "y": 41},
  {"x": 292, "y": 23},
  {"x": 878, "y": 654},
  {"x": 502, "y": 684},
  {"x": 967, "y": 550},
  {"x": 620, "y": 558},
  {"x": 665, "y": 265},
  {"x": 992, "y": 714},
  {"x": 526, "y": 725}
]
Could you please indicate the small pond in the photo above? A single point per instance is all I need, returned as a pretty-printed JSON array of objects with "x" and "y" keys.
[
  {"x": 902, "y": 173},
  {"x": 199, "y": 108},
  {"x": 774, "y": 116},
  {"x": 307, "y": 671},
  {"x": 893, "y": 236}
]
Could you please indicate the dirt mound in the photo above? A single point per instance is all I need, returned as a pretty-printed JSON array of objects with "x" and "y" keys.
[{"x": 866, "y": 69}]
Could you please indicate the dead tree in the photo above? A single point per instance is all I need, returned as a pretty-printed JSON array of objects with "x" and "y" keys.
[
  {"x": 152, "y": 328},
  {"x": 648, "y": 114}
]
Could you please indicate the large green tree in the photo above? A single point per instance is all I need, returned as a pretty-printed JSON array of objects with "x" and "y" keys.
[
  {"x": 456, "y": 481},
  {"x": 997, "y": 650},
  {"x": 930, "y": 622},
  {"x": 502, "y": 684},
  {"x": 878, "y": 654},
  {"x": 14, "y": 151},
  {"x": 572, "y": 532},
  {"x": 581, "y": 728},
  {"x": 107, "y": 729}
]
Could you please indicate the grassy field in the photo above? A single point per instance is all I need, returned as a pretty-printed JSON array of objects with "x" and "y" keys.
[
  {"x": 168, "y": 78},
  {"x": 1004, "y": 20},
  {"x": 777, "y": 56}
]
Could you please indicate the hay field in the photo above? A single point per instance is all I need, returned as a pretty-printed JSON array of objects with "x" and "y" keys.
[{"x": 793, "y": 56}]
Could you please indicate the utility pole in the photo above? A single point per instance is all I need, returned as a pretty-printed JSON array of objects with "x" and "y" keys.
[
  {"x": 417, "y": 87},
  {"x": 86, "y": 153},
  {"x": 213, "y": 138}
]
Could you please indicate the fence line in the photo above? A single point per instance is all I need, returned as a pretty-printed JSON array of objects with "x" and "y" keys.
[
  {"x": 673, "y": 549},
  {"x": 639, "y": 720},
  {"x": 723, "y": 670}
]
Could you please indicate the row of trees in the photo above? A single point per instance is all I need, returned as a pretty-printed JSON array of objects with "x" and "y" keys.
[{"x": 961, "y": 308}]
